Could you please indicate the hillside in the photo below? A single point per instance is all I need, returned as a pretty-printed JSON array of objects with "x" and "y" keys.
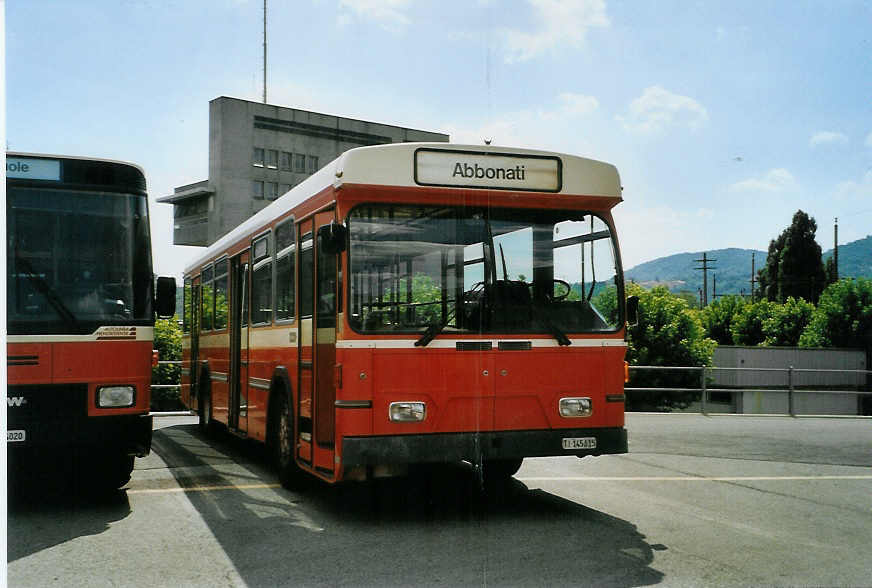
[
  {"x": 732, "y": 268},
  {"x": 855, "y": 258}
]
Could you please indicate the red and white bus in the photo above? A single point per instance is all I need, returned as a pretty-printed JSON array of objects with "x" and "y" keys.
[
  {"x": 80, "y": 313},
  {"x": 417, "y": 303}
]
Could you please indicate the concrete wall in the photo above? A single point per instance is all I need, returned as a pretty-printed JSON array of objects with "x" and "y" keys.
[{"x": 767, "y": 358}]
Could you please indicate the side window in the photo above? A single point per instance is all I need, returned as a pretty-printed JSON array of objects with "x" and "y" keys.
[
  {"x": 285, "y": 266},
  {"x": 220, "y": 295},
  {"x": 261, "y": 282},
  {"x": 307, "y": 268},
  {"x": 186, "y": 307},
  {"x": 208, "y": 300}
]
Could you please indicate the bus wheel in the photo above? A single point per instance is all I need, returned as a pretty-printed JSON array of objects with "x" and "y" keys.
[
  {"x": 108, "y": 472},
  {"x": 500, "y": 470},
  {"x": 283, "y": 441}
]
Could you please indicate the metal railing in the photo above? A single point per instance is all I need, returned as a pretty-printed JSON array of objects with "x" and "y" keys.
[
  {"x": 790, "y": 388},
  {"x": 167, "y": 387}
]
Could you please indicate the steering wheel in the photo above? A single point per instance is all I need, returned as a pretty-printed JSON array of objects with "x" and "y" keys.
[{"x": 552, "y": 297}]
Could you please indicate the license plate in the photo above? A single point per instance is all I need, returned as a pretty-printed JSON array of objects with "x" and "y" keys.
[
  {"x": 579, "y": 443},
  {"x": 15, "y": 436}
]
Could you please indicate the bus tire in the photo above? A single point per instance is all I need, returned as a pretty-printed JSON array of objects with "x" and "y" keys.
[
  {"x": 108, "y": 472},
  {"x": 500, "y": 470},
  {"x": 282, "y": 440}
]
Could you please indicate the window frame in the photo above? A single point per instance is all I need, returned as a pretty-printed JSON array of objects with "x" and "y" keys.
[
  {"x": 259, "y": 262},
  {"x": 288, "y": 250}
]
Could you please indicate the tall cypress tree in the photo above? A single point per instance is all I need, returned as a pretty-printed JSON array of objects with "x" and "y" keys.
[{"x": 793, "y": 264}]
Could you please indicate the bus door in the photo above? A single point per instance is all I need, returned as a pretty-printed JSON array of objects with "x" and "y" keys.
[
  {"x": 305, "y": 320},
  {"x": 318, "y": 292},
  {"x": 238, "y": 417},
  {"x": 196, "y": 293}
]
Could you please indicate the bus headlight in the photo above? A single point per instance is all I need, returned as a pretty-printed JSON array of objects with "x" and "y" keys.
[
  {"x": 407, "y": 412},
  {"x": 116, "y": 396},
  {"x": 575, "y": 407}
]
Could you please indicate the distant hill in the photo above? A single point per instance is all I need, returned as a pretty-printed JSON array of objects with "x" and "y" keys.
[
  {"x": 732, "y": 268},
  {"x": 731, "y": 271},
  {"x": 855, "y": 258}
]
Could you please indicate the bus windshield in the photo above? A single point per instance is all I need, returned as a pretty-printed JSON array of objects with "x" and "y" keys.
[
  {"x": 432, "y": 269},
  {"x": 76, "y": 260}
]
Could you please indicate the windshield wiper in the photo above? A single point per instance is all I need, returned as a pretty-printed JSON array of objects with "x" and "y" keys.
[{"x": 42, "y": 286}]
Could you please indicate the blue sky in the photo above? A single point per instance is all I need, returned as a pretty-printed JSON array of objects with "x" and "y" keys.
[{"x": 723, "y": 118}]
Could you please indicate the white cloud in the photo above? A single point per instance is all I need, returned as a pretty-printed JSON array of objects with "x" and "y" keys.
[
  {"x": 658, "y": 108},
  {"x": 578, "y": 104},
  {"x": 775, "y": 180},
  {"x": 559, "y": 23},
  {"x": 852, "y": 191},
  {"x": 827, "y": 137},
  {"x": 869, "y": 140},
  {"x": 389, "y": 14}
]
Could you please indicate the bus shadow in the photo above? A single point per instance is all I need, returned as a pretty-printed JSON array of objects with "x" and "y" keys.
[
  {"x": 436, "y": 526},
  {"x": 49, "y": 507}
]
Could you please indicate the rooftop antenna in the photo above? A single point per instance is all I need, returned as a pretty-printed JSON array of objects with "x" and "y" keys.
[{"x": 264, "y": 51}]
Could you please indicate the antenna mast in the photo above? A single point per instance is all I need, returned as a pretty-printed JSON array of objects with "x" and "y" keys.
[{"x": 264, "y": 51}]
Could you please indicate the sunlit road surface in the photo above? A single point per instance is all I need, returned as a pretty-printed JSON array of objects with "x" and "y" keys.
[{"x": 698, "y": 501}]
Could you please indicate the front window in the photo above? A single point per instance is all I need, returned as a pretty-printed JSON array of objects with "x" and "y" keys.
[
  {"x": 76, "y": 260},
  {"x": 465, "y": 270}
]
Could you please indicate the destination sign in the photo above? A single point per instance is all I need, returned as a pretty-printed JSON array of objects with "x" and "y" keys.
[
  {"x": 502, "y": 171},
  {"x": 26, "y": 168}
]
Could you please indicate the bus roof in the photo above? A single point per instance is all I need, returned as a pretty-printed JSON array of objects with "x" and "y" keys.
[{"x": 444, "y": 165}]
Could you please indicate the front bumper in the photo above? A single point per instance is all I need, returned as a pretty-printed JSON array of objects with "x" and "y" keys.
[
  {"x": 128, "y": 434},
  {"x": 475, "y": 447}
]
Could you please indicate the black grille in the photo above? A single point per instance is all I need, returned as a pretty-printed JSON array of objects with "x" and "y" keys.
[
  {"x": 473, "y": 346},
  {"x": 48, "y": 402},
  {"x": 515, "y": 345}
]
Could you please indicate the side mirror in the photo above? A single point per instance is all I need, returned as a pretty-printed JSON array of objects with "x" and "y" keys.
[
  {"x": 165, "y": 299},
  {"x": 633, "y": 310},
  {"x": 332, "y": 238}
]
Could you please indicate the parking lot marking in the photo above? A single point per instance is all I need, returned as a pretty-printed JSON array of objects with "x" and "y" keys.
[
  {"x": 685, "y": 478},
  {"x": 202, "y": 488}
]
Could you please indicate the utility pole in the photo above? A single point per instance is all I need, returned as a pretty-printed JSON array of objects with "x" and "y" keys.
[
  {"x": 753, "y": 275},
  {"x": 264, "y": 51},
  {"x": 705, "y": 268},
  {"x": 836, "y": 248}
]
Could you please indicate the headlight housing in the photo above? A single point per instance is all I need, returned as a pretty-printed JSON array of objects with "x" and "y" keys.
[
  {"x": 407, "y": 412},
  {"x": 116, "y": 396},
  {"x": 576, "y": 407}
]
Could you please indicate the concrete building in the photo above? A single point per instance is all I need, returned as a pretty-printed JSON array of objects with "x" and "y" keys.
[{"x": 257, "y": 152}]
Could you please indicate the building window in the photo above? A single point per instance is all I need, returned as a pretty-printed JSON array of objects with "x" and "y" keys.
[
  {"x": 299, "y": 163},
  {"x": 257, "y": 159},
  {"x": 283, "y": 188},
  {"x": 313, "y": 164},
  {"x": 257, "y": 190},
  {"x": 272, "y": 159},
  {"x": 272, "y": 190},
  {"x": 286, "y": 161}
]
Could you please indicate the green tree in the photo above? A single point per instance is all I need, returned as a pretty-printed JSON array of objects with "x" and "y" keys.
[
  {"x": 787, "y": 322},
  {"x": 793, "y": 264},
  {"x": 717, "y": 318},
  {"x": 669, "y": 333},
  {"x": 168, "y": 342},
  {"x": 843, "y": 317},
  {"x": 747, "y": 325}
]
